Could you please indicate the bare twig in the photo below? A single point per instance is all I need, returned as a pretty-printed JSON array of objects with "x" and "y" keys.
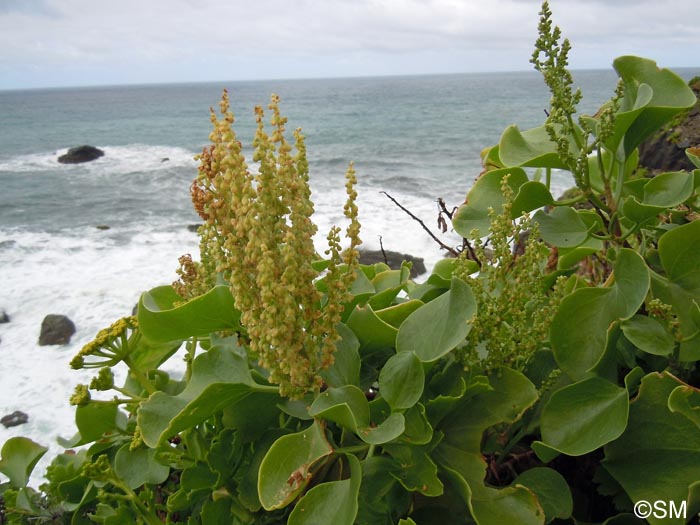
[
  {"x": 432, "y": 235},
  {"x": 381, "y": 247}
]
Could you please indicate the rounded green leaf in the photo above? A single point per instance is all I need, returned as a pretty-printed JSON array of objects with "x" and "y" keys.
[
  {"x": 139, "y": 466},
  {"x": 18, "y": 458},
  {"x": 584, "y": 416},
  {"x": 579, "y": 331},
  {"x": 649, "y": 335},
  {"x": 401, "y": 380},
  {"x": 551, "y": 490},
  {"x": 161, "y": 321},
  {"x": 562, "y": 227},
  {"x": 531, "y": 195},
  {"x": 658, "y": 456},
  {"x": 333, "y": 502},
  {"x": 668, "y": 189},
  {"x": 440, "y": 325},
  {"x": 286, "y": 468},
  {"x": 486, "y": 193}
]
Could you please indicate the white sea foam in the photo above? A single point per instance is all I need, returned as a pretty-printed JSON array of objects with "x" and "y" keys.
[
  {"x": 117, "y": 160},
  {"x": 93, "y": 277}
]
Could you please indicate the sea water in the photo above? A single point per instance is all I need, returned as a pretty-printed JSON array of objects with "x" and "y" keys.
[{"x": 417, "y": 138}]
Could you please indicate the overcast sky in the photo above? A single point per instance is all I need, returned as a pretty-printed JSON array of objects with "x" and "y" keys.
[{"x": 90, "y": 42}]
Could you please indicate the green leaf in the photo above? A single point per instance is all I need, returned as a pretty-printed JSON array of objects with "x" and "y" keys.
[
  {"x": 331, "y": 502},
  {"x": 551, "y": 490},
  {"x": 397, "y": 314},
  {"x": 374, "y": 334},
  {"x": 220, "y": 379},
  {"x": 658, "y": 455},
  {"x": 649, "y": 335},
  {"x": 531, "y": 195},
  {"x": 579, "y": 329},
  {"x": 139, "y": 466},
  {"x": 531, "y": 148},
  {"x": 349, "y": 408},
  {"x": 669, "y": 95},
  {"x": 93, "y": 421},
  {"x": 18, "y": 457},
  {"x": 686, "y": 400},
  {"x": 668, "y": 189},
  {"x": 511, "y": 393},
  {"x": 679, "y": 252},
  {"x": 486, "y": 193},
  {"x": 417, "y": 472},
  {"x": 401, "y": 380},
  {"x": 582, "y": 417},
  {"x": 161, "y": 321},
  {"x": 286, "y": 468},
  {"x": 561, "y": 227},
  {"x": 345, "y": 369},
  {"x": 694, "y": 155},
  {"x": 437, "y": 327}
]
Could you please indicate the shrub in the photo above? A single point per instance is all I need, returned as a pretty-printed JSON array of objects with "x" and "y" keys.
[{"x": 554, "y": 382}]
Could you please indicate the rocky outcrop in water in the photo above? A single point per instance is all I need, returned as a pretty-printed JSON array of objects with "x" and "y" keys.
[
  {"x": 56, "y": 330},
  {"x": 665, "y": 151},
  {"x": 393, "y": 259},
  {"x": 15, "y": 419},
  {"x": 81, "y": 154},
  {"x": 4, "y": 318}
]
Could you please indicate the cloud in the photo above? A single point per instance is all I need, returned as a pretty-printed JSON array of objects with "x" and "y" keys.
[{"x": 209, "y": 39}]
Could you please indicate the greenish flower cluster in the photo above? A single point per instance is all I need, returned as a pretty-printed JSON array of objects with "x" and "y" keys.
[
  {"x": 515, "y": 300},
  {"x": 110, "y": 346},
  {"x": 259, "y": 236}
]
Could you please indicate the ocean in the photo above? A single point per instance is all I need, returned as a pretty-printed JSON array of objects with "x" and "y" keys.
[{"x": 417, "y": 138}]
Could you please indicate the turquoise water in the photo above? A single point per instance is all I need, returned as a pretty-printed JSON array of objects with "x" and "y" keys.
[{"x": 417, "y": 138}]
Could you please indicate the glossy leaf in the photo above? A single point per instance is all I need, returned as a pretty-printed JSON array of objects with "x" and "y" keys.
[
  {"x": 510, "y": 394},
  {"x": 668, "y": 189},
  {"x": 286, "y": 468},
  {"x": 373, "y": 333},
  {"x": 562, "y": 227},
  {"x": 649, "y": 335},
  {"x": 160, "y": 320},
  {"x": 401, "y": 380},
  {"x": 139, "y": 466},
  {"x": 349, "y": 408},
  {"x": 345, "y": 369},
  {"x": 531, "y": 148},
  {"x": 485, "y": 194},
  {"x": 18, "y": 457},
  {"x": 679, "y": 253},
  {"x": 530, "y": 196},
  {"x": 669, "y": 95},
  {"x": 551, "y": 489},
  {"x": 220, "y": 379},
  {"x": 582, "y": 417},
  {"x": 437, "y": 327},
  {"x": 580, "y": 327},
  {"x": 658, "y": 455},
  {"x": 331, "y": 502}
]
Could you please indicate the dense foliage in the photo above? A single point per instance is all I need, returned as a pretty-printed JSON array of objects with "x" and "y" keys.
[{"x": 547, "y": 375}]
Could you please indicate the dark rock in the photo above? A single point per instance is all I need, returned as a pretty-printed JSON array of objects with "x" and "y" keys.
[
  {"x": 15, "y": 419},
  {"x": 393, "y": 259},
  {"x": 165, "y": 159},
  {"x": 102, "y": 227},
  {"x": 665, "y": 151},
  {"x": 193, "y": 227},
  {"x": 56, "y": 330},
  {"x": 4, "y": 318},
  {"x": 81, "y": 154}
]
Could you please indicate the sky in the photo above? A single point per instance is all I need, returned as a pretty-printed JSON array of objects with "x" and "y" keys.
[{"x": 47, "y": 43}]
